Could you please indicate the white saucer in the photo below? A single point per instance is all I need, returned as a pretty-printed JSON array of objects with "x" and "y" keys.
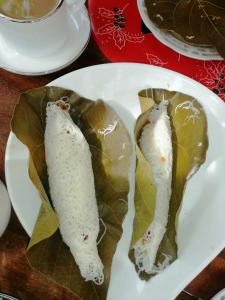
[{"x": 78, "y": 39}]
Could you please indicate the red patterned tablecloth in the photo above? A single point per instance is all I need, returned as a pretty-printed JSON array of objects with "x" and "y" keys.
[{"x": 122, "y": 37}]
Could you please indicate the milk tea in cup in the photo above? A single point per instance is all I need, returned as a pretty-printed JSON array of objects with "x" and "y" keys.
[{"x": 27, "y": 9}]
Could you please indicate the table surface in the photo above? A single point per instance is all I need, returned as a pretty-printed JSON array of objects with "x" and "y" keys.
[{"x": 16, "y": 276}]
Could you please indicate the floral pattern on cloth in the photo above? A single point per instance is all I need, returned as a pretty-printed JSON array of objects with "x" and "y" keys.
[
  {"x": 212, "y": 74},
  {"x": 122, "y": 37},
  {"x": 115, "y": 26}
]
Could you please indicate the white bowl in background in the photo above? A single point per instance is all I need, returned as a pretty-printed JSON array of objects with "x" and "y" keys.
[{"x": 202, "y": 53}]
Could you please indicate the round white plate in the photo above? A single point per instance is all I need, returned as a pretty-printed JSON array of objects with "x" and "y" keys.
[
  {"x": 77, "y": 41},
  {"x": 5, "y": 208},
  {"x": 201, "y": 230},
  {"x": 6, "y": 297},
  {"x": 220, "y": 295},
  {"x": 170, "y": 41}
]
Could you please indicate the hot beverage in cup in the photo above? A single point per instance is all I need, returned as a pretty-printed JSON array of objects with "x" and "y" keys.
[{"x": 27, "y": 9}]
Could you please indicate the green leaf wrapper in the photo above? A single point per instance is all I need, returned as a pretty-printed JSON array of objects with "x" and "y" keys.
[
  {"x": 111, "y": 149},
  {"x": 197, "y": 23},
  {"x": 190, "y": 143}
]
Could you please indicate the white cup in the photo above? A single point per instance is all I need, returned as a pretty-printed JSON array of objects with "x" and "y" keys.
[{"x": 39, "y": 37}]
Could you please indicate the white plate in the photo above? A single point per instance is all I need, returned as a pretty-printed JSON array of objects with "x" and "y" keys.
[
  {"x": 220, "y": 295},
  {"x": 6, "y": 297},
  {"x": 5, "y": 208},
  {"x": 206, "y": 53},
  {"x": 201, "y": 231},
  {"x": 76, "y": 43}
]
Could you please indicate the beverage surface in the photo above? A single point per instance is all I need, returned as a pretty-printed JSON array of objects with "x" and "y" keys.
[{"x": 27, "y": 9}]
